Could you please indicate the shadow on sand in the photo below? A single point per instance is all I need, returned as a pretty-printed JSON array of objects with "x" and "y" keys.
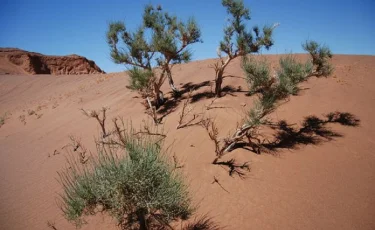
[{"x": 313, "y": 131}]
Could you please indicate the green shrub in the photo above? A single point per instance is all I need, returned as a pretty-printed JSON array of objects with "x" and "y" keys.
[
  {"x": 255, "y": 114},
  {"x": 139, "y": 188},
  {"x": 290, "y": 73},
  {"x": 239, "y": 40},
  {"x": 140, "y": 79},
  {"x": 271, "y": 89},
  {"x": 257, "y": 73},
  {"x": 321, "y": 55}
]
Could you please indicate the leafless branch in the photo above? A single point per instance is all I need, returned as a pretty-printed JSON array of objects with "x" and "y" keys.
[
  {"x": 151, "y": 111},
  {"x": 217, "y": 181},
  {"x": 101, "y": 121},
  {"x": 186, "y": 110},
  {"x": 213, "y": 133},
  {"x": 209, "y": 107},
  {"x": 51, "y": 225}
]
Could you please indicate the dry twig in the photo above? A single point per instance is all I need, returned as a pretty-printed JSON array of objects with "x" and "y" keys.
[
  {"x": 95, "y": 114},
  {"x": 217, "y": 181},
  {"x": 186, "y": 110}
]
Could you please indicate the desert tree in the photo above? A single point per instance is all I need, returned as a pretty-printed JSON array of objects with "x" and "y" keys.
[
  {"x": 271, "y": 89},
  {"x": 152, "y": 49},
  {"x": 238, "y": 39},
  {"x": 290, "y": 72}
]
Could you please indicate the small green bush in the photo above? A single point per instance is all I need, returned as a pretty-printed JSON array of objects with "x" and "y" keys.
[
  {"x": 139, "y": 188},
  {"x": 321, "y": 55},
  {"x": 291, "y": 73},
  {"x": 257, "y": 73},
  {"x": 140, "y": 79}
]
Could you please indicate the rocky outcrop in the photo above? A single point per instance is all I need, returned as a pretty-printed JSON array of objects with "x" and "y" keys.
[{"x": 17, "y": 61}]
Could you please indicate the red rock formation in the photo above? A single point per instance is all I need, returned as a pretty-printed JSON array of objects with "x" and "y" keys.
[{"x": 17, "y": 61}]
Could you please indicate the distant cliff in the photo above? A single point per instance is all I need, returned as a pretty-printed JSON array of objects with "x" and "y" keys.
[{"x": 17, "y": 61}]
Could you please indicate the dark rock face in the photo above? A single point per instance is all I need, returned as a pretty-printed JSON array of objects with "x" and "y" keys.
[{"x": 16, "y": 61}]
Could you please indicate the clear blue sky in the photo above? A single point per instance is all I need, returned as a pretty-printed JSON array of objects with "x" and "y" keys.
[{"x": 78, "y": 26}]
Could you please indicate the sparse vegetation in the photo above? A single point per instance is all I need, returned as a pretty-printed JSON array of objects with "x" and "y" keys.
[
  {"x": 22, "y": 118},
  {"x": 202, "y": 223},
  {"x": 51, "y": 225},
  {"x": 166, "y": 47},
  {"x": 238, "y": 40},
  {"x": 186, "y": 110},
  {"x": 133, "y": 181},
  {"x": 271, "y": 89},
  {"x": 320, "y": 55},
  {"x": 3, "y": 118},
  {"x": 290, "y": 73}
]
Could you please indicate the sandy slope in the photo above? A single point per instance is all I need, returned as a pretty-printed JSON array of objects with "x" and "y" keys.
[{"x": 325, "y": 186}]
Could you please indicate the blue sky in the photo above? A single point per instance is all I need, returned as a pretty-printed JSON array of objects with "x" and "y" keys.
[{"x": 65, "y": 27}]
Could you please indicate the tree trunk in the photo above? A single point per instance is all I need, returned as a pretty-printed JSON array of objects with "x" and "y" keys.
[
  {"x": 159, "y": 97},
  {"x": 171, "y": 83},
  {"x": 141, "y": 214},
  {"x": 218, "y": 82}
]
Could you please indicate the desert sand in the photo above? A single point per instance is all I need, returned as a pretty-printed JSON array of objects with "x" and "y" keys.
[{"x": 330, "y": 185}]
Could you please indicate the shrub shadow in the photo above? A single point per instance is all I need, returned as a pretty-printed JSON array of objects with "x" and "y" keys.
[
  {"x": 172, "y": 102},
  {"x": 202, "y": 223},
  {"x": 191, "y": 86},
  {"x": 313, "y": 131}
]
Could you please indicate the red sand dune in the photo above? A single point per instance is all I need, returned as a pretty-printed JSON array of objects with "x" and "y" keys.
[{"x": 326, "y": 186}]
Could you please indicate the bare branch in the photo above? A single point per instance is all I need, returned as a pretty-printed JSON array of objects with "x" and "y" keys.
[
  {"x": 213, "y": 133},
  {"x": 101, "y": 121},
  {"x": 152, "y": 112},
  {"x": 209, "y": 107},
  {"x": 217, "y": 181},
  {"x": 186, "y": 110}
]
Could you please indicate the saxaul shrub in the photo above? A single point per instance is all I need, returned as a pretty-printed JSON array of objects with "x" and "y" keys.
[
  {"x": 258, "y": 74},
  {"x": 270, "y": 89},
  {"x": 239, "y": 40},
  {"x": 321, "y": 56},
  {"x": 289, "y": 74},
  {"x": 160, "y": 42}
]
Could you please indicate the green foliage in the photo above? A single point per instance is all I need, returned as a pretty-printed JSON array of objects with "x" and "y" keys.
[
  {"x": 255, "y": 114},
  {"x": 291, "y": 73},
  {"x": 321, "y": 55},
  {"x": 239, "y": 41},
  {"x": 133, "y": 184},
  {"x": 140, "y": 80},
  {"x": 296, "y": 71},
  {"x": 284, "y": 83},
  {"x": 170, "y": 36},
  {"x": 137, "y": 52},
  {"x": 257, "y": 73},
  {"x": 166, "y": 44}
]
